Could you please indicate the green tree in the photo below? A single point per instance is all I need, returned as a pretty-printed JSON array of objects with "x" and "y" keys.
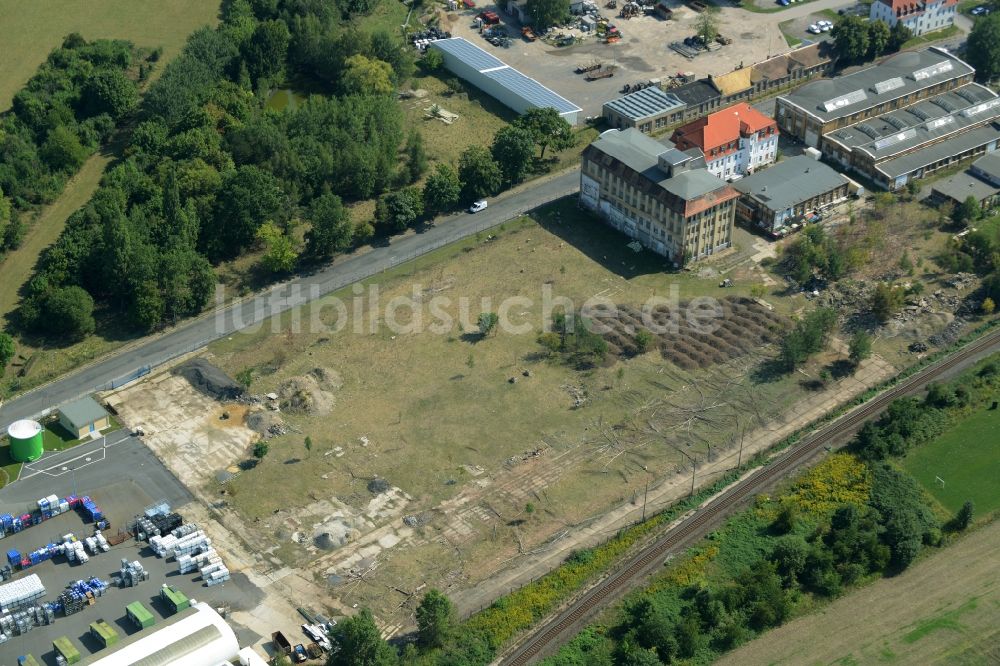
[
  {"x": 886, "y": 301},
  {"x": 899, "y": 34},
  {"x": 110, "y": 91},
  {"x": 643, "y": 340},
  {"x": 260, "y": 450},
  {"x": 809, "y": 337},
  {"x": 964, "y": 516},
  {"x": 396, "y": 211},
  {"x": 435, "y": 619},
  {"x": 487, "y": 323},
  {"x": 479, "y": 173},
  {"x": 279, "y": 254},
  {"x": 432, "y": 60},
  {"x": 982, "y": 49},
  {"x": 860, "y": 347},
  {"x": 331, "y": 230},
  {"x": 850, "y": 38},
  {"x": 513, "y": 148},
  {"x": 7, "y": 351},
  {"x": 442, "y": 189},
  {"x": 547, "y": 13},
  {"x": 547, "y": 128},
  {"x": 707, "y": 24},
  {"x": 245, "y": 377},
  {"x": 367, "y": 76},
  {"x": 988, "y": 306},
  {"x": 67, "y": 311},
  {"x": 249, "y": 196},
  {"x": 360, "y": 642},
  {"x": 265, "y": 52},
  {"x": 416, "y": 156},
  {"x": 785, "y": 520},
  {"x": 879, "y": 38},
  {"x": 63, "y": 151},
  {"x": 967, "y": 212}
]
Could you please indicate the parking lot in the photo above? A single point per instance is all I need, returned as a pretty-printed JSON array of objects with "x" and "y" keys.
[
  {"x": 642, "y": 54},
  {"x": 123, "y": 477}
]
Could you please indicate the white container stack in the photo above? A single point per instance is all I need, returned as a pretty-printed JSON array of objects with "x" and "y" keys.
[
  {"x": 20, "y": 593},
  {"x": 185, "y": 530},
  {"x": 192, "y": 561},
  {"x": 213, "y": 565},
  {"x": 191, "y": 543},
  {"x": 102, "y": 543},
  {"x": 218, "y": 576},
  {"x": 160, "y": 544},
  {"x": 132, "y": 573},
  {"x": 91, "y": 544}
]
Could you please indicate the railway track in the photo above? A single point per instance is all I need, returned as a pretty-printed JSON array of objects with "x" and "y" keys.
[{"x": 703, "y": 520}]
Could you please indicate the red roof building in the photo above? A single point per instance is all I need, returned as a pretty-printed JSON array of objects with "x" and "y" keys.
[
  {"x": 736, "y": 141},
  {"x": 920, "y": 16}
]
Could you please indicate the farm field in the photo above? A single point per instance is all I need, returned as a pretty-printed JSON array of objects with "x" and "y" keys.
[
  {"x": 32, "y": 29},
  {"x": 943, "y": 610},
  {"x": 967, "y": 459},
  {"x": 488, "y": 445}
]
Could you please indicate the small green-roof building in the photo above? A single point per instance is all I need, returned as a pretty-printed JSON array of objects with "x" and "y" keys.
[
  {"x": 140, "y": 615},
  {"x": 83, "y": 417},
  {"x": 103, "y": 632},
  {"x": 175, "y": 599},
  {"x": 65, "y": 647}
]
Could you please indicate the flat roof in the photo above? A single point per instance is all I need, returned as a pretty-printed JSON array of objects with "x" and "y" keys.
[
  {"x": 989, "y": 164},
  {"x": 962, "y": 185},
  {"x": 645, "y": 103},
  {"x": 939, "y": 151},
  {"x": 790, "y": 182},
  {"x": 511, "y": 79},
  {"x": 897, "y": 76},
  {"x": 939, "y": 116},
  {"x": 83, "y": 411},
  {"x": 696, "y": 92},
  {"x": 641, "y": 153}
]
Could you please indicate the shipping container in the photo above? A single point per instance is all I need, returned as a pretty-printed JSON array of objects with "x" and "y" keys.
[
  {"x": 140, "y": 615},
  {"x": 103, "y": 632},
  {"x": 174, "y": 598},
  {"x": 64, "y": 647}
]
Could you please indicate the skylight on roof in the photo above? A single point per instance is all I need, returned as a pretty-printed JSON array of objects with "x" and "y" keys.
[
  {"x": 940, "y": 122},
  {"x": 895, "y": 138},
  {"x": 883, "y": 87},
  {"x": 898, "y": 123},
  {"x": 932, "y": 70},
  {"x": 868, "y": 130},
  {"x": 844, "y": 100},
  {"x": 980, "y": 108},
  {"x": 923, "y": 115}
]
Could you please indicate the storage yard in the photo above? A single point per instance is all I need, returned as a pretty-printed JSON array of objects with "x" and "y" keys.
[{"x": 642, "y": 53}]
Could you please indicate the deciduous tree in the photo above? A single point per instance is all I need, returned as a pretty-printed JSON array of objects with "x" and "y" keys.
[
  {"x": 886, "y": 301},
  {"x": 279, "y": 253},
  {"x": 7, "y": 351},
  {"x": 850, "y": 38},
  {"x": 982, "y": 49},
  {"x": 513, "y": 148},
  {"x": 860, "y": 347},
  {"x": 435, "y": 618},
  {"x": 367, "y": 76},
  {"x": 441, "y": 190},
  {"x": 360, "y": 642},
  {"x": 547, "y": 128},
  {"x": 479, "y": 173},
  {"x": 879, "y": 38},
  {"x": 547, "y": 13},
  {"x": 331, "y": 230}
]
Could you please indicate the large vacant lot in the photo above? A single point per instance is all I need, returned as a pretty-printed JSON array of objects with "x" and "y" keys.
[
  {"x": 32, "y": 29},
  {"x": 944, "y": 610},
  {"x": 443, "y": 457}
]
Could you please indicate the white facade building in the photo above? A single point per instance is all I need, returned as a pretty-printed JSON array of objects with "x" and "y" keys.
[
  {"x": 917, "y": 15},
  {"x": 735, "y": 141}
]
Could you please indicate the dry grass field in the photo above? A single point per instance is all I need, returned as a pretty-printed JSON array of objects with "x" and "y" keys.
[
  {"x": 32, "y": 29},
  {"x": 493, "y": 449},
  {"x": 943, "y": 610}
]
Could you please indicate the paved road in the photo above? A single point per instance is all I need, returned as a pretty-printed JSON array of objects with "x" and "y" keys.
[{"x": 343, "y": 272}]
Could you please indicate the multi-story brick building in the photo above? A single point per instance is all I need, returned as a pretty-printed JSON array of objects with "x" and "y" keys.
[
  {"x": 919, "y": 16},
  {"x": 735, "y": 141},
  {"x": 661, "y": 196}
]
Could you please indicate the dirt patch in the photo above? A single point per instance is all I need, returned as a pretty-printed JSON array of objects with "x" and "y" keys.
[
  {"x": 266, "y": 424},
  {"x": 311, "y": 393},
  {"x": 734, "y": 327},
  {"x": 209, "y": 379}
]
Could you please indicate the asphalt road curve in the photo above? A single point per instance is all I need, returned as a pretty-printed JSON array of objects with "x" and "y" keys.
[
  {"x": 566, "y": 623},
  {"x": 343, "y": 272}
]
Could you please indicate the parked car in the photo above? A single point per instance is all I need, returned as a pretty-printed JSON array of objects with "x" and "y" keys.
[
  {"x": 783, "y": 3},
  {"x": 979, "y": 11},
  {"x": 478, "y": 206},
  {"x": 815, "y": 29}
]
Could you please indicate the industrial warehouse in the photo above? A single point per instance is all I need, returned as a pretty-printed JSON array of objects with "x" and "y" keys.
[{"x": 497, "y": 79}]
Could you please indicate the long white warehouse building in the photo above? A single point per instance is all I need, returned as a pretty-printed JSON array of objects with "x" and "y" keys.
[
  {"x": 501, "y": 81},
  {"x": 198, "y": 636}
]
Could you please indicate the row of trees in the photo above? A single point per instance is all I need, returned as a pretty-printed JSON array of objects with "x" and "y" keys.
[
  {"x": 857, "y": 40},
  {"x": 481, "y": 172}
]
